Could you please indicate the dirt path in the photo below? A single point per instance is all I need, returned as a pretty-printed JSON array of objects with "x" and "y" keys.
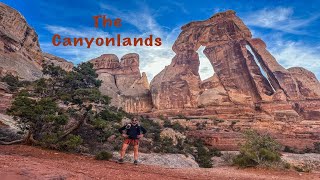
[{"x": 25, "y": 162}]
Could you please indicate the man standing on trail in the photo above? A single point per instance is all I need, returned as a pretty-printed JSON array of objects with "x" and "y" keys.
[{"x": 132, "y": 132}]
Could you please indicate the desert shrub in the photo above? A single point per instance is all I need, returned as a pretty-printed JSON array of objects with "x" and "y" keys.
[
  {"x": 152, "y": 127},
  {"x": 109, "y": 115},
  {"x": 71, "y": 143},
  {"x": 215, "y": 152},
  {"x": 217, "y": 121},
  {"x": 203, "y": 155},
  {"x": 161, "y": 117},
  {"x": 99, "y": 123},
  {"x": 201, "y": 106},
  {"x": 167, "y": 123},
  {"x": 257, "y": 107},
  {"x": 181, "y": 116},
  {"x": 305, "y": 167},
  {"x": 103, "y": 155},
  {"x": 165, "y": 145},
  {"x": 228, "y": 158},
  {"x": 178, "y": 127},
  {"x": 257, "y": 150},
  {"x": 290, "y": 149},
  {"x": 200, "y": 126},
  {"x": 316, "y": 147},
  {"x": 12, "y": 81}
]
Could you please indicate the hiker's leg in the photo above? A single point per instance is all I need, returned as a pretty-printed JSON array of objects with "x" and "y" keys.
[
  {"x": 123, "y": 150},
  {"x": 136, "y": 151}
]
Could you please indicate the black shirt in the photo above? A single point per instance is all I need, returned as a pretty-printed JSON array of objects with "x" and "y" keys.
[{"x": 133, "y": 130}]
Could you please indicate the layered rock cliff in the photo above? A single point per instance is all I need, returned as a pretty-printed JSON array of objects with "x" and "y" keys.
[
  {"x": 20, "y": 53},
  {"x": 123, "y": 82}
]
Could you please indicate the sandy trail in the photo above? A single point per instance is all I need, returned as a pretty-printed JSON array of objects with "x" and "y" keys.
[{"x": 26, "y": 162}]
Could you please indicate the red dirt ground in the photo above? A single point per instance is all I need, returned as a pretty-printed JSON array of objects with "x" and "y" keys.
[{"x": 26, "y": 162}]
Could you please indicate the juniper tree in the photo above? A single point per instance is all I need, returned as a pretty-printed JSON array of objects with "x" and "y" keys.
[{"x": 54, "y": 107}]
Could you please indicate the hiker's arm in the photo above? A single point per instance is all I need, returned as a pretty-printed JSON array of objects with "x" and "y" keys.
[
  {"x": 121, "y": 129},
  {"x": 144, "y": 131}
]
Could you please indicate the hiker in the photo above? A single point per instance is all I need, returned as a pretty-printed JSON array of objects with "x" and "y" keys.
[{"x": 132, "y": 132}]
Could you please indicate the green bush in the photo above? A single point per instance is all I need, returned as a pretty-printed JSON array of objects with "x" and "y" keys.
[
  {"x": 12, "y": 81},
  {"x": 257, "y": 150},
  {"x": 204, "y": 155},
  {"x": 99, "y": 123},
  {"x": 167, "y": 123},
  {"x": 316, "y": 147},
  {"x": 217, "y": 121},
  {"x": 178, "y": 127},
  {"x": 103, "y": 155},
  {"x": 71, "y": 143},
  {"x": 165, "y": 145}
]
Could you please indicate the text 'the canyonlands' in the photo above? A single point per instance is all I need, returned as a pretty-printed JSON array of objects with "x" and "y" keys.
[{"x": 102, "y": 20}]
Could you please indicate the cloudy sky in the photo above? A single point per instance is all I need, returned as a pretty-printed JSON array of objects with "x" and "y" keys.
[{"x": 290, "y": 28}]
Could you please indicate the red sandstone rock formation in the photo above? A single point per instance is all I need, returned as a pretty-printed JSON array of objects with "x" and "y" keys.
[
  {"x": 123, "y": 82},
  {"x": 235, "y": 57},
  {"x": 20, "y": 52},
  {"x": 57, "y": 61},
  {"x": 249, "y": 87}
]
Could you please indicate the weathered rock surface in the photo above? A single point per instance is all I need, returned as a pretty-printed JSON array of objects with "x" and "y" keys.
[
  {"x": 249, "y": 89},
  {"x": 167, "y": 160},
  {"x": 236, "y": 58},
  {"x": 5, "y": 97},
  {"x": 123, "y": 82},
  {"x": 20, "y": 52},
  {"x": 308, "y": 84},
  {"x": 57, "y": 61}
]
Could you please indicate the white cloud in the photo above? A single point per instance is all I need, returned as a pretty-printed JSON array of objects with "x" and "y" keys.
[
  {"x": 141, "y": 19},
  {"x": 279, "y": 18},
  {"x": 296, "y": 54}
]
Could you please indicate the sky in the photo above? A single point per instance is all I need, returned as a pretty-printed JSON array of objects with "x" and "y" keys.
[{"x": 290, "y": 28}]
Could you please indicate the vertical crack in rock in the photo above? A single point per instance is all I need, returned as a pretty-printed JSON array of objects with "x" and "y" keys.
[{"x": 263, "y": 72}]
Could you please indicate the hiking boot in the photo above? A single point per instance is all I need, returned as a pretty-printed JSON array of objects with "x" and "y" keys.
[
  {"x": 120, "y": 161},
  {"x": 135, "y": 162}
]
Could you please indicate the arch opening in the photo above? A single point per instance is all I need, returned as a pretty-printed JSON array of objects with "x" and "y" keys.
[{"x": 205, "y": 69}]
